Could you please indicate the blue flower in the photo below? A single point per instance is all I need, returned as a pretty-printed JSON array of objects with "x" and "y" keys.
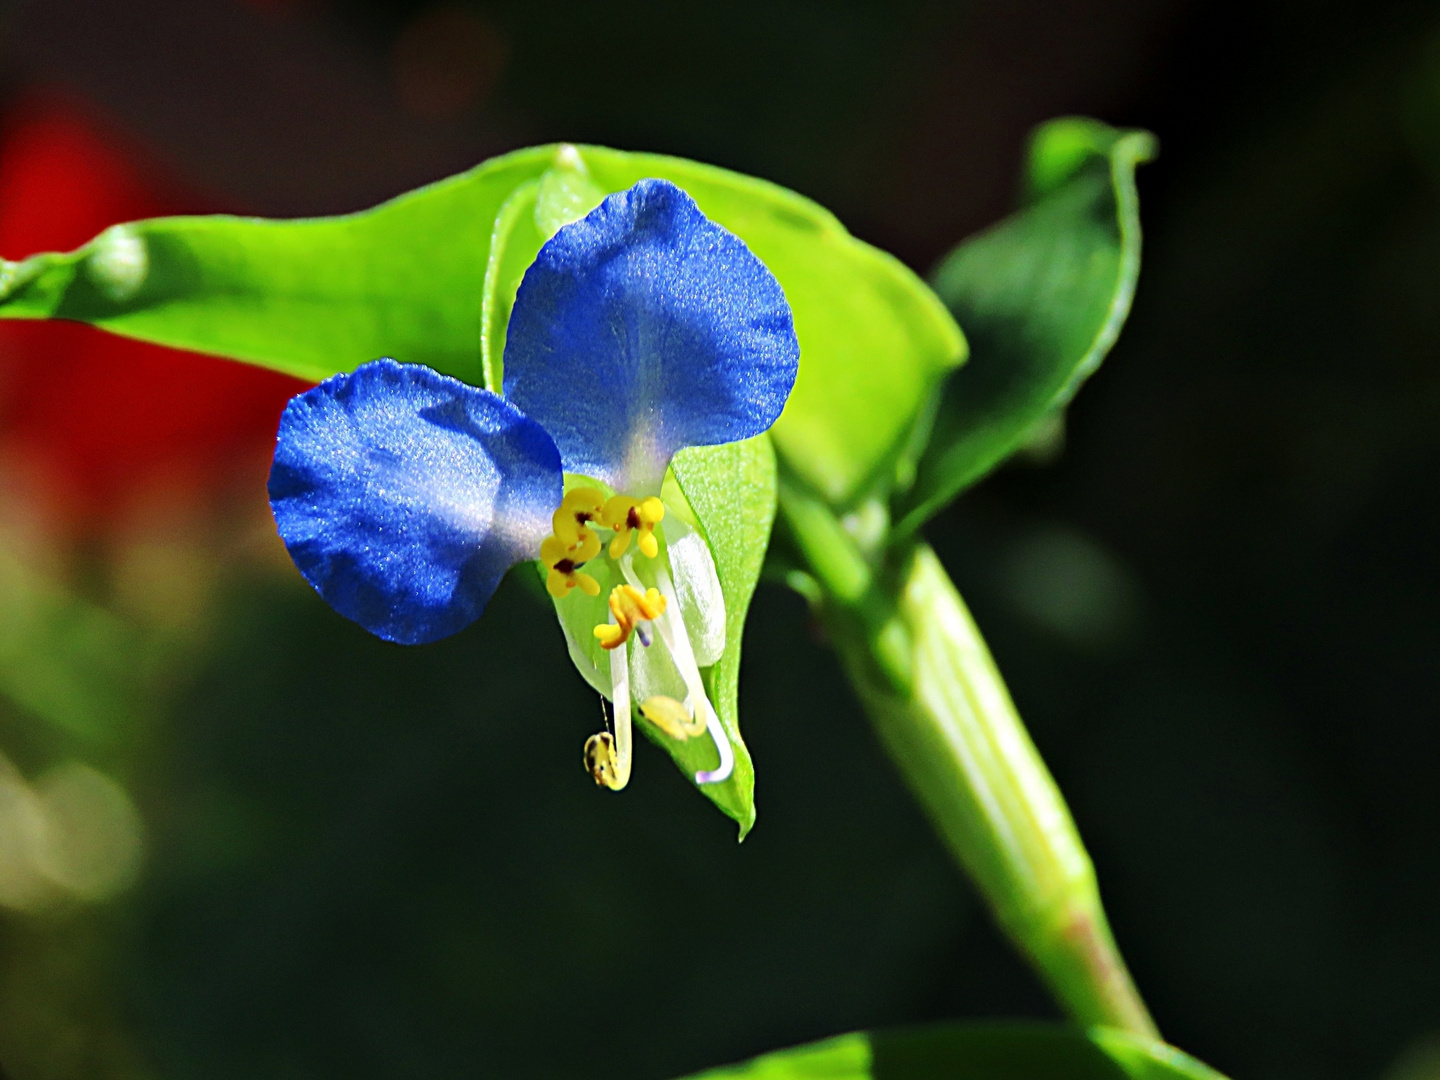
[
  {"x": 644, "y": 329},
  {"x": 404, "y": 495}
]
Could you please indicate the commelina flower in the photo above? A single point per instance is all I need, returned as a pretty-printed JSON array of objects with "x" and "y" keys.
[{"x": 404, "y": 496}]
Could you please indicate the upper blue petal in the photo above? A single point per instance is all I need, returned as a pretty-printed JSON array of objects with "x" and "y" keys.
[
  {"x": 644, "y": 328},
  {"x": 404, "y": 495}
]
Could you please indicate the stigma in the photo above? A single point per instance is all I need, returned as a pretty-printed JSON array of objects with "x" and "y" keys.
[{"x": 630, "y": 607}]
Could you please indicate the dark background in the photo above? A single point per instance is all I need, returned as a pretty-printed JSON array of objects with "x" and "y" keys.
[{"x": 1216, "y": 609}]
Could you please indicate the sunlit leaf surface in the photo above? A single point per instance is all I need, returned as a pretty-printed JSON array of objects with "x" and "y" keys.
[
  {"x": 428, "y": 277},
  {"x": 731, "y": 490},
  {"x": 309, "y": 298}
]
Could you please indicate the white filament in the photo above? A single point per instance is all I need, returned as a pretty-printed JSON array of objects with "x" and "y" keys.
[
  {"x": 673, "y": 634},
  {"x": 620, "y": 691}
]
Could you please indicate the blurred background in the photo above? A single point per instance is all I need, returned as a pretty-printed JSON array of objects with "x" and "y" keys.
[{"x": 239, "y": 838}]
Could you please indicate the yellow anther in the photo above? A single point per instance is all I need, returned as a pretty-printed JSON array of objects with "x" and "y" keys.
[
  {"x": 629, "y": 607},
  {"x": 627, "y": 515},
  {"x": 554, "y": 550},
  {"x": 580, "y": 506},
  {"x": 563, "y": 562},
  {"x": 601, "y": 760},
  {"x": 671, "y": 717}
]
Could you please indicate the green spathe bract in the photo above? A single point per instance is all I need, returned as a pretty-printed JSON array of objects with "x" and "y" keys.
[{"x": 731, "y": 490}]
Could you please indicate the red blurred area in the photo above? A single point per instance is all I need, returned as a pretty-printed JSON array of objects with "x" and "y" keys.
[{"x": 91, "y": 424}]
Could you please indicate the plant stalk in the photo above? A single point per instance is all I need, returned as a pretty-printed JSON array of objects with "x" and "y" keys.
[{"x": 944, "y": 714}]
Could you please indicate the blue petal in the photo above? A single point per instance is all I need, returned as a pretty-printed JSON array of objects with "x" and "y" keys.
[
  {"x": 644, "y": 328},
  {"x": 404, "y": 495}
]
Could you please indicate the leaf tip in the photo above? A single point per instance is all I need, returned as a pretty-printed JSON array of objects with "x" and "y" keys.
[
  {"x": 1059, "y": 148},
  {"x": 1142, "y": 146},
  {"x": 746, "y": 823}
]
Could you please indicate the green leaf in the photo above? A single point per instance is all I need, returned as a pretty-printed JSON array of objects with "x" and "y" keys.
[
  {"x": 732, "y": 491},
  {"x": 513, "y": 244},
  {"x": 1042, "y": 296},
  {"x": 975, "y": 1052},
  {"x": 429, "y": 278},
  {"x": 309, "y": 298},
  {"x": 532, "y": 214}
]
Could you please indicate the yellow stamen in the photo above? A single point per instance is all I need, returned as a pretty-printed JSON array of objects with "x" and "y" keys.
[
  {"x": 564, "y": 562},
  {"x": 626, "y": 514},
  {"x": 629, "y": 606},
  {"x": 671, "y": 717},
  {"x": 580, "y": 506}
]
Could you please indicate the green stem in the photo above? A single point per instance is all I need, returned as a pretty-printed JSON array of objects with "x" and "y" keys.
[{"x": 942, "y": 710}]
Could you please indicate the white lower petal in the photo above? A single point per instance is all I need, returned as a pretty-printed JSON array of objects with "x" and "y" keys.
[
  {"x": 672, "y": 631},
  {"x": 697, "y": 585}
]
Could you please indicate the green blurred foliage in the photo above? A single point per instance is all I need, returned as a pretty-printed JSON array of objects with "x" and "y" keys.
[
  {"x": 977, "y": 1052},
  {"x": 85, "y": 690}
]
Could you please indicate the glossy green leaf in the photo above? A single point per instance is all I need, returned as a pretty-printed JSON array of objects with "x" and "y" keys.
[
  {"x": 428, "y": 278},
  {"x": 731, "y": 490},
  {"x": 1042, "y": 296},
  {"x": 532, "y": 214},
  {"x": 309, "y": 298},
  {"x": 975, "y": 1052},
  {"x": 513, "y": 243}
]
